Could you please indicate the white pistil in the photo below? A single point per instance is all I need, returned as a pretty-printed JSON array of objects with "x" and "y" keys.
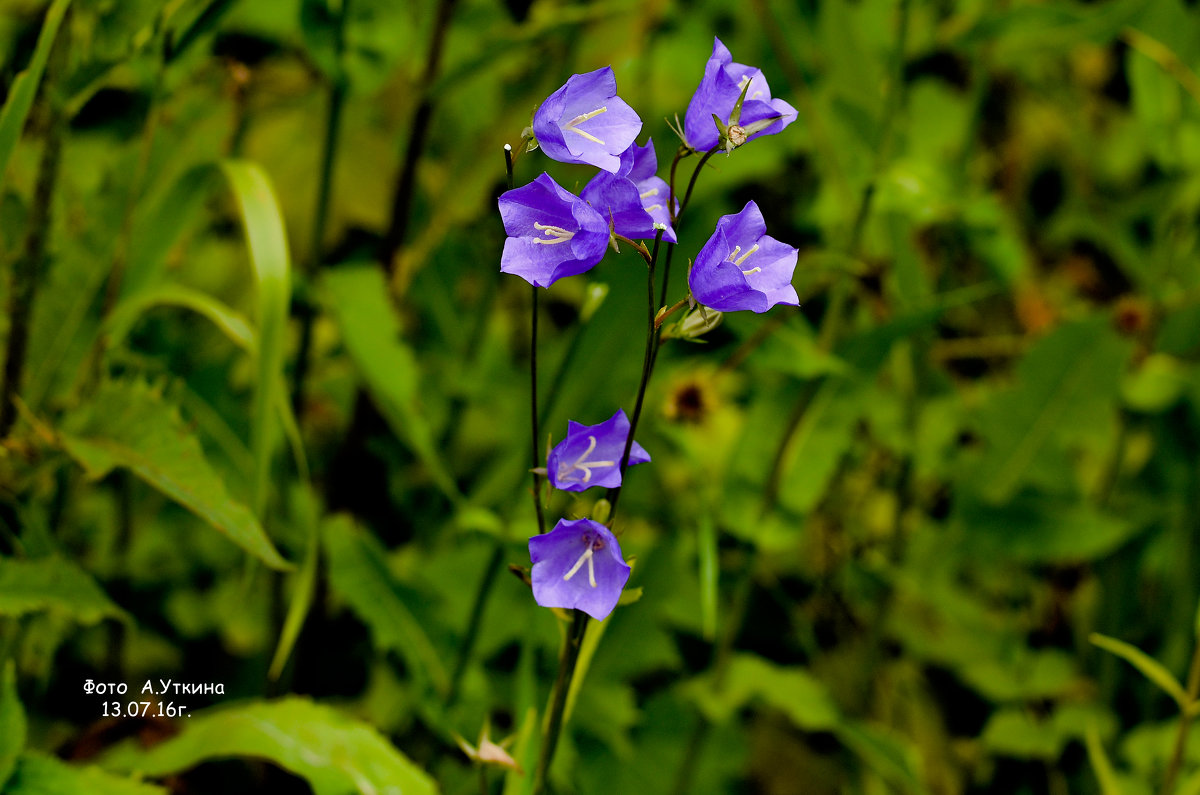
[
  {"x": 558, "y": 234},
  {"x": 742, "y": 258},
  {"x": 573, "y": 124},
  {"x": 586, "y": 556},
  {"x": 584, "y": 464}
]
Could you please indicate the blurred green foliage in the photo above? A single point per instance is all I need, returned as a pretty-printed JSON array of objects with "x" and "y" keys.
[{"x": 879, "y": 532}]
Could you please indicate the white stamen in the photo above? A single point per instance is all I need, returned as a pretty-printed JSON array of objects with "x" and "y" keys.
[
  {"x": 559, "y": 234},
  {"x": 733, "y": 253},
  {"x": 585, "y": 465},
  {"x": 742, "y": 258},
  {"x": 653, "y": 207},
  {"x": 752, "y": 270},
  {"x": 648, "y": 194},
  {"x": 572, "y": 125},
  {"x": 586, "y": 556}
]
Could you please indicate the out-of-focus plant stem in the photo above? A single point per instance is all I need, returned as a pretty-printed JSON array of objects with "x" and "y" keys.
[
  {"x": 568, "y": 657},
  {"x": 32, "y": 261},
  {"x": 1185, "y": 724},
  {"x": 418, "y": 134},
  {"x": 652, "y": 338},
  {"x": 333, "y": 124}
]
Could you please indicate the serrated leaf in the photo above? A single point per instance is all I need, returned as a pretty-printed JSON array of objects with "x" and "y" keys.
[
  {"x": 12, "y": 724},
  {"x": 129, "y": 425},
  {"x": 24, "y": 88},
  {"x": 358, "y": 295},
  {"x": 358, "y": 571},
  {"x": 56, "y": 585},
  {"x": 334, "y": 753},
  {"x": 45, "y": 775}
]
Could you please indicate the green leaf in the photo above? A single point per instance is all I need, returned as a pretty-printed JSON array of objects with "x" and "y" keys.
[
  {"x": 55, "y": 585},
  {"x": 334, "y": 753},
  {"x": 1101, "y": 765},
  {"x": 44, "y": 775},
  {"x": 231, "y": 322},
  {"x": 12, "y": 724},
  {"x": 306, "y": 510},
  {"x": 889, "y": 755},
  {"x": 262, "y": 220},
  {"x": 358, "y": 571},
  {"x": 749, "y": 678},
  {"x": 1043, "y": 528},
  {"x": 1070, "y": 375},
  {"x": 358, "y": 297},
  {"x": 1012, "y": 731},
  {"x": 24, "y": 88},
  {"x": 128, "y": 424},
  {"x": 1151, "y": 668}
]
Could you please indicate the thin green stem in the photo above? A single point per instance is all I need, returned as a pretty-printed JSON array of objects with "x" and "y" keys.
[
  {"x": 418, "y": 136},
  {"x": 568, "y": 657},
  {"x": 652, "y": 337}
]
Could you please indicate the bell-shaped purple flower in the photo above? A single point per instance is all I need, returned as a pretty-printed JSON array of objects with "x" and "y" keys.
[
  {"x": 639, "y": 164},
  {"x": 552, "y": 233},
  {"x": 591, "y": 455},
  {"x": 717, "y": 95},
  {"x": 578, "y": 565},
  {"x": 741, "y": 267},
  {"x": 617, "y": 200},
  {"x": 586, "y": 122}
]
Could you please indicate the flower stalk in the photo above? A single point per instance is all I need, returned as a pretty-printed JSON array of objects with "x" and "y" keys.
[{"x": 568, "y": 657}]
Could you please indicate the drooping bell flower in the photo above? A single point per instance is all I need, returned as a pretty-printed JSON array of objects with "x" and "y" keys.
[
  {"x": 724, "y": 82},
  {"x": 586, "y": 122},
  {"x": 578, "y": 565},
  {"x": 552, "y": 233},
  {"x": 639, "y": 164},
  {"x": 591, "y": 455},
  {"x": 741, "y": 267},
  {"x": 616, "y": 199}
]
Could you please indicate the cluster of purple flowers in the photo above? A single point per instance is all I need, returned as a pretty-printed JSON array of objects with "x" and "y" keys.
[{"x": 552, "y": 233}]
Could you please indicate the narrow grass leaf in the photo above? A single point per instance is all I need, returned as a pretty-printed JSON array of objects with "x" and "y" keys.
[
  {"x": 24, "y": 88},
  {"x": 1151, "y": 668},
  {"x": 262, "y": 220}
]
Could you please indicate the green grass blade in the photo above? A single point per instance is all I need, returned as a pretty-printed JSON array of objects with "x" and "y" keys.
[
  {"x": 707, "y": 542},
  {"x": 307, "y": 514},
  {"x": 1101, "y": 765},
  {"x": 1151, "y": 668},
  {"x": 12, "y": 724},
  {"x": 263, "y": 223},
  {"x": 24, "y": 87},
  {"x": 231, "y": 322}
]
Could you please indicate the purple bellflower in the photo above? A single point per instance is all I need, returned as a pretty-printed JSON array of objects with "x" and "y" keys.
[
  {"x": 591, "y": 455},
  {"x": 639, "y": 164},
  {"x": 717, "y": 94},
  {"x": 586, "y": 122},
  {"x": 740, "y": 267},
  {"x": 578, "y": 565},
  {"x": 617, "y": 200},
  {"x": 552, "y": 233}
]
